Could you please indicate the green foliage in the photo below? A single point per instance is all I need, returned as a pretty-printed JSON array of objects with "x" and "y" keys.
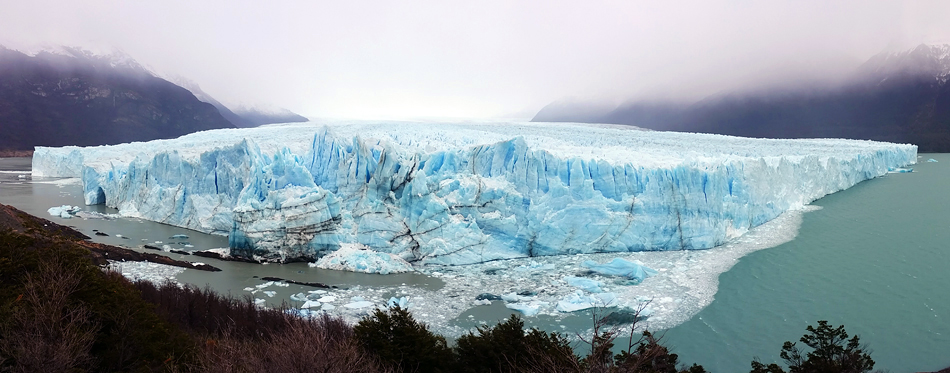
[
  {"x": 400, "y": 341},
  {"x": 652, "y": 357},
  {"x": 832, "y": 352},
  {"x": 507, "y": 348}
]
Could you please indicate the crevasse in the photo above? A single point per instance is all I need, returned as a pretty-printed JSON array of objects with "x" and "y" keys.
[{"x": 466, "y": 192}]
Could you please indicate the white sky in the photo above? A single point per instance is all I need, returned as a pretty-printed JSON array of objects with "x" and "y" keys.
[{"x": 470, "y": 59}]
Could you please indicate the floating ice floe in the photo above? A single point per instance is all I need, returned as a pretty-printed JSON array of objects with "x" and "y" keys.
[
  {"x": 931, "y": 160},
  {"x": 586, "y": 284},
  {"x": 64, "y": 211},
  {"x": 402, "y": 302},
  {"x": 578, "y": 301},
  {"x": 621, "y": 267},
  {"x": 528, "y": 309},
  {"x": 95, "y": 215},
  {"x": 358, "y": 304},
  {"x": 358, "y": 258}
]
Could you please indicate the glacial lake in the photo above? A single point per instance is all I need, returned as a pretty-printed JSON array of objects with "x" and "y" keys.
[{"x": 873, "y": 257}]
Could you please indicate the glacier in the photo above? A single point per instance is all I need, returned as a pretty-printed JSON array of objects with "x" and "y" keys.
[{"x": 466, "y": 192}]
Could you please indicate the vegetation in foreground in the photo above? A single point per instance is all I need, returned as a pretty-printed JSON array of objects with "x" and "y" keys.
[{"x": 59, "y": 311}]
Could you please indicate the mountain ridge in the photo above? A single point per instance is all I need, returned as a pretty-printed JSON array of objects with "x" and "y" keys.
[
  {"x": 54, "y": 99},
  {"x": 896, "y": 97},
  {"x": 58, "y": 96}
]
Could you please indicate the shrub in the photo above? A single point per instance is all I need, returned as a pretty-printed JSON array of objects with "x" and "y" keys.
[
  {"x": 507, "y": 348},
  {"x": 126, "y": 332},
  {"x": 400, "y": 341},
  {"x": 305, "y": 345}
]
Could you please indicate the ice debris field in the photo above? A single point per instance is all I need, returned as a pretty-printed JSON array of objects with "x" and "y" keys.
[{"x": 387, "y": 197}]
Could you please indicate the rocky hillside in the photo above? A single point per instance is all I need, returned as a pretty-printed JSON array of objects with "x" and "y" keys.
[
  {"x": 899, "y": 97},
  {"x": 75, "y": 98}
]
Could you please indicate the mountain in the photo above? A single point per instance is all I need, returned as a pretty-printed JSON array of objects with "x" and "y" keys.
[
  {"x": 196, "y": 90},
  {"x": 73, "y": 97},
  {"x": 242, "y": 116},
  {"x": 898, "y": 97},
  {"x": 260, "y": 115}
]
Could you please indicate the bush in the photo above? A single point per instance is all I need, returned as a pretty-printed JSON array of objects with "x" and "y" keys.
[
  {"x": 507, "y": 348},
  {"x": 324, "y": 344},
  {"x": 51, "y": 291},
  {"x": 400, "y": 341}
]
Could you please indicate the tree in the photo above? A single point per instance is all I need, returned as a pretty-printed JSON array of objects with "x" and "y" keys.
[
  {"x": 507, "y": 348},
  {"x": 832, "y": 352},
  {"x": 402, "y": 342}
]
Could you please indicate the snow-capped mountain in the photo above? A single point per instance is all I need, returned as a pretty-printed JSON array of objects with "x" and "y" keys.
[
  {"x": 924, "y": 60},
  {"x": 901, "y": 96}
]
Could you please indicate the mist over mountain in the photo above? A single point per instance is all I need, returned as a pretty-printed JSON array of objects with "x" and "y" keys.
[
  {"x": 72, "y": 97},
  {"x": 257, "y": 116},
  {"x": 894, "y": 96},
  {"x": 242, "y": 116}
]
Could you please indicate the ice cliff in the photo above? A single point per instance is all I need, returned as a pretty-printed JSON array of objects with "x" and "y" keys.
[{"x": 466, "y": 192}]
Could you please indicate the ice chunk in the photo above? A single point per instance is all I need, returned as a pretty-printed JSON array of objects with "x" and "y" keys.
[
  {"x": 310, "y": 304},
  {"x": 578, "y": 301},
  {"x": 931, "y": 160},
  {"x": 327, "y": 299},
  {"x": 512, "y": 297},
  {"x": 621, "y": 267},
  {"x": 179, "y": 237},
  {"x": 64, "y": 211},
  {"x": 461, "y": 193},
  {"x": 585, "y": 284},
  {"x": 481, "y": 302},
  {"x": 358, "y": 258},
  {"x": 358, "y": 304},
  {"x": 270, "y": 293},
  {"x": 528, "y": 309},
  {"x": 402, "y": 302}
]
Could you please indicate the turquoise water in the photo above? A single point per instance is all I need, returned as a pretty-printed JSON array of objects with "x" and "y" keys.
[{"x": 875, "y": 258}]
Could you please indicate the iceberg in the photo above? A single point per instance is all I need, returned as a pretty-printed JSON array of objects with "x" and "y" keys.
[
  {"x": 462, "y": 193},
  {"x": 578, "y": 301},
  {"x": 586, "y": 284},
  {"x": 357, "y": 258},
  {"x": 620, "y": 267},
  {"x": 64, "y": 211},
  {"x": 527, "y": 309}
]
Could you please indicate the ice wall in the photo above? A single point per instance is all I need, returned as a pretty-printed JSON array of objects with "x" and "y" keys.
[{"x": 467, "y": 192}]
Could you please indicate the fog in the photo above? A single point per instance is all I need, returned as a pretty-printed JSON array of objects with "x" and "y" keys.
[{"x": 427, "y": 59}]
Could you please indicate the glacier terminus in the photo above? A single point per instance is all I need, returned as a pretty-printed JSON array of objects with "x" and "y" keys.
[{"x": 466, "y": 192}]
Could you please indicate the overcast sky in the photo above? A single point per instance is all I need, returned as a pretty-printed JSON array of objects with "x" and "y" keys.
[{"x": 470, "y": 59}]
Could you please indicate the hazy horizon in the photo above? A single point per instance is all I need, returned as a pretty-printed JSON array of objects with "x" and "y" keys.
[{"x": 477, "y": 60}]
